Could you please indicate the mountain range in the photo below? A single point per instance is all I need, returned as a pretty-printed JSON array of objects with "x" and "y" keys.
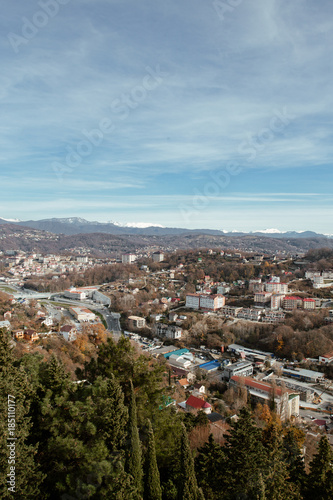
[{"x": 76, "y": 225}]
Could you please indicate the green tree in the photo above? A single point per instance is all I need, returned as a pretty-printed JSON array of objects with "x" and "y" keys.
[
  {"x": 320, "y": 478},
  {"x": 245, "y": 458},
  {"x": 293, "y": 457},
  {"x": 15, "y": 429},
  {"x": 133, "y": 448},
  {"x": 152, "y": 486},
  {"x": 276, "y": 477},
  {"x": 209, "y": 466},
  {"x": 188, "y": 487}
]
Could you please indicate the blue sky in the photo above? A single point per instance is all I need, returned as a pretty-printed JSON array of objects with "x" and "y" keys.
[{"x": 195, "y": 114}]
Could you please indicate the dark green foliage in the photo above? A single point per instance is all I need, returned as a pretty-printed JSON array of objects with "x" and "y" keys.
[
  {"x": 275, "y": 471},
  {"x": 15, "y": 422},
  {"x": 187, "y": 487},
  {"x": 209, "y": 466},
  {"x": 320, "y": 479},
  {"x": 245, "y": 458},
  {"x": 133, "y": 445},
  {"x": 152, "y": 486}
]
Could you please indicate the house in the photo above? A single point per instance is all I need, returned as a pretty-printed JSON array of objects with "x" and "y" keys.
[
  {"x": 184, "y": 383},
  {"x": 7, "y": 315},
  {"x": 18, "y": 334},
  {"x": 68, "y": 332},
  {"x": 199, "y": 388},
  {"x": 31, "y": 335},
  {"x": 326, "y": 358},
  {"x": 194, "y": 404}
]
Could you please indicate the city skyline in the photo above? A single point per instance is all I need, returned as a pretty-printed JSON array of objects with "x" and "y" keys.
[{"x": 196, "y": 116}]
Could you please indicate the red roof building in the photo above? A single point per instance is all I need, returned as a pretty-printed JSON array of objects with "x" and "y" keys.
[{"x": 194, "y": 404}]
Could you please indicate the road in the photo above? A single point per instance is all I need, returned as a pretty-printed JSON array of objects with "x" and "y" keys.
[{"x": 111, "y": 318}]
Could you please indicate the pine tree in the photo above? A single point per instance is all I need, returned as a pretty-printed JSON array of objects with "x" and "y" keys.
[
  {"x": 320, "y": 478},
  {"x": 188, "y": 486},
  {"x": 15, "y": 428},
  {"x": 152, "y": 486},
  {"x": 134, "y": 454}
]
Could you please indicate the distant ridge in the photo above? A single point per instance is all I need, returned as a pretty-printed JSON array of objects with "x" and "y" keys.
[{"x": 77, "y": 225}]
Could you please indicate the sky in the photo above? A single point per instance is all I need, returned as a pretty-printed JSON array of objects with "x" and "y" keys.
[{"x": 192, "y": 113}]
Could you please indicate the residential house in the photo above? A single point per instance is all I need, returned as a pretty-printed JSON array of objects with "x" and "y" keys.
[
  {"x": 194, "y": 404},
  {"x": 68, "y": 332}
]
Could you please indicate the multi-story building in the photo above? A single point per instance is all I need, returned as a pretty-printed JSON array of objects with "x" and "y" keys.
[
  {"x": 250, "y": 314},
  {"x": 277, "y": 300},
  {"x": 286, "y": 401},
  {"x": 201, "y": 301},
  {"x": 241, "y": 368},
  {"x": 261, "y": 298},
  {"x": 274, "y": 287},
  {"x": 253, "y": 283},
  {"x": 68, "y": 332},
  {"x": 128, "y": 258},
  {"x": 136, "y": 322},
  {"x": 158, "y": 256},
  {"x": 168, "y": 331},
  {"x": 274, "y": 317},
  {"x": 231, "y": 311},
  {"x": 291, "y": 302},
  {"x": 309, "y": 304}
]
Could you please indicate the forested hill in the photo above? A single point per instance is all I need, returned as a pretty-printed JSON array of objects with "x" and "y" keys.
[
  {"x": 111, "y": 437},
  {"x": 13, "y": 237}
]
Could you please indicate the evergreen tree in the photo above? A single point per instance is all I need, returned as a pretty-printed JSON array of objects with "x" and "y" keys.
[
  {"x": 245, "y": 458},
  {"x": 277, "y": 486},
  {"x": 152, "y": 486},
  {"x": 15, "y": 428},
  {"x": 134, "y": 454},
  {"x": 293, "y": 457},
  {"x": 320, "y": 478},
  {"x": 209, "y": 466},
  {"x": 188, "y": 488}
]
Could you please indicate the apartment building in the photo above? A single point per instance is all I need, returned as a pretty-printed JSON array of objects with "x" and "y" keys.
[
  {"x": 136, "y": 322},
  {"x": 82, "y": 314},
  {"x": 168, "y": 331},
  {"x": 286, "y": 401},
  {"x": 201, "y": 301},
  {"x": 262, "y": 298},
  {"x": 291, "y": 302},
  {"x": 276, "y": 287},
  {"x": 250, "y": 314},
  {"x": 277, "y": 300},
  {"x": 158, "y": 256},
  {"x": 128, "y": 258},
  {"x": 274, "y": 317},
  {"x": 231, "y": 311}
]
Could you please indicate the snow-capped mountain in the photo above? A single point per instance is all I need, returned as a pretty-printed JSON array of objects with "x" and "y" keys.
[
  {"x": 141, "y": 225},
  {"x": 10, "y": 220}
]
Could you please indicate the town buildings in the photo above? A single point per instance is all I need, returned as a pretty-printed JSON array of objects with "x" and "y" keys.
[{"x": 201, "y": 301}]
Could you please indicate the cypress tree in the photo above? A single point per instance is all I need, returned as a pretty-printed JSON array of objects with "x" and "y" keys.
[
  {"x": 208, "y": 466},
  {"x": 152, "y": 486},
  {"x": 275, "y": 473},
  {"x": 244, "y": 457},
  {"x": 320, "y": 478},
  {"x": 134, "y": 454},
  {"x": 188, "y": 486}
]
